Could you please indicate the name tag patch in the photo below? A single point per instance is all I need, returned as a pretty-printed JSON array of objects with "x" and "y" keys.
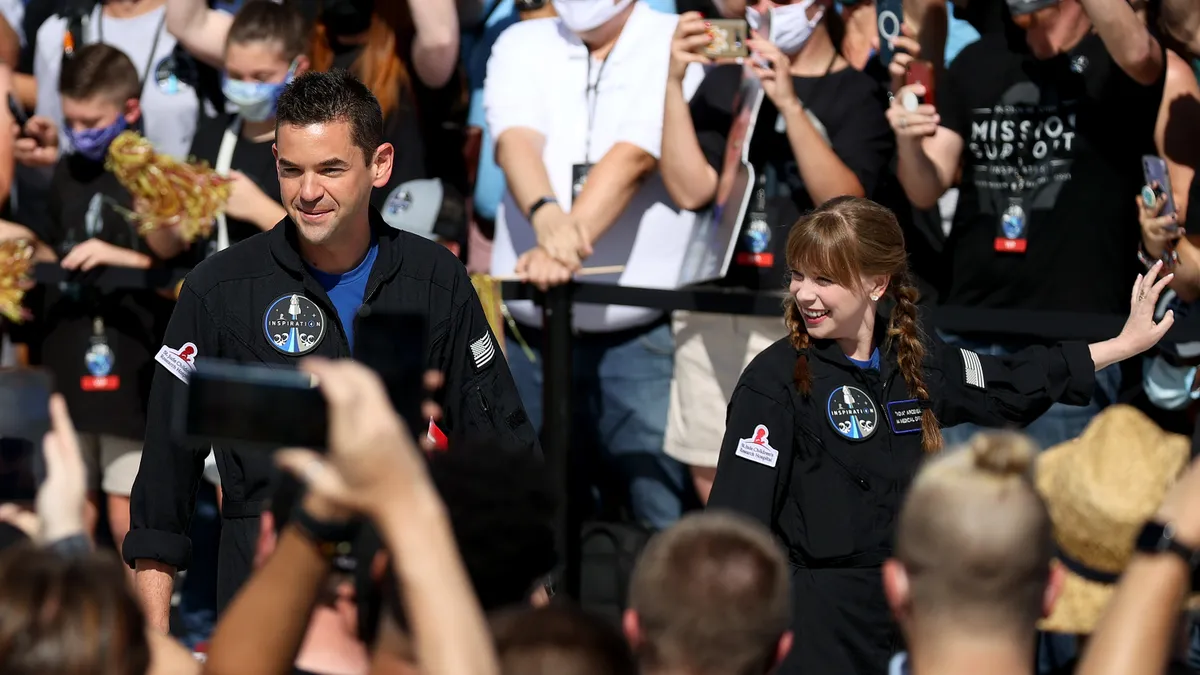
[
  {"x": 905, "y": 416},
  {"x": 180, "y": 362},
  {"x": 972, "y": 370},
  {"x": 757, "y": 448}
]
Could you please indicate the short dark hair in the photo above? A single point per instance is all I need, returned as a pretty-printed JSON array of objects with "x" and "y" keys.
[
  {"x": 267, "y": 21},
  {"x": 336, "y": 96},
  {"x": 99, "y": 70},
  {"x": 560, "y": 640}
]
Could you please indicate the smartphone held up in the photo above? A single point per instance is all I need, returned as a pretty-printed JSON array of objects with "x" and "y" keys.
[{"x": 270, "y": 407}]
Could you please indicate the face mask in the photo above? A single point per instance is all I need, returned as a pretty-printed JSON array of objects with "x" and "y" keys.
[
  {"x": 93, "y": 143},
  {"x": 581, "y": 16},
  {"x": 255, "y": 101},
  {"x": 790, "y": 24},
  {"x": 1169, "y": 387},
  {"x": 347, "y": 17}
]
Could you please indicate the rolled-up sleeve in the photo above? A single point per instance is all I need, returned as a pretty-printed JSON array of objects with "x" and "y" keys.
[
  {"x": 967, "y": 387},
  {"x": 164, "y": 492}
]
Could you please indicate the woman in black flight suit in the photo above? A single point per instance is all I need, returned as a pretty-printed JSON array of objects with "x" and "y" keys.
[{"x": 827, "y": 426}]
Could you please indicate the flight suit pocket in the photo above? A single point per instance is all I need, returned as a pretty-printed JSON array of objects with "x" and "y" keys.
[
  {"x": 833, "y": 497},
  {"x": 494, "y": 416}
]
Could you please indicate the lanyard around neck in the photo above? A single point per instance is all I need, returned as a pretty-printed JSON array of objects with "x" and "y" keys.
[
  {"x": 593, "y": 97},
  {"x": 162, "y": 22}
]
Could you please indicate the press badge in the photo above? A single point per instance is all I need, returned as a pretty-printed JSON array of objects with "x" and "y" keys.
[
  {"x": 579, "y": 174},
  {"x": 1013, "y": 228}
]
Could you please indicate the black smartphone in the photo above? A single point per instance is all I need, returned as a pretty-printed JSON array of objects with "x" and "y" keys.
[
  {"x": 253, "y": 405},
  {"x": 395, "y": 346},
  {"x": 24, "y": 421},
  {"x": 889, "y": 15}
]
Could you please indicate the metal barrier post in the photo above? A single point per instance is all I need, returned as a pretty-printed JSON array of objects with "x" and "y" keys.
[{"x": 557, "y": 421}]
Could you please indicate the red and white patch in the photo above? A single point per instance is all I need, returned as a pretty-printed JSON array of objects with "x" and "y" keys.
[
  {"x": 181, "y": 362},
  {"x": 757, "y": 448}
]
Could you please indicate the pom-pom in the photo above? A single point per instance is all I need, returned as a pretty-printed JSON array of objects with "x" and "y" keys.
[
  {"x": 16, "y": 265},
  {"x": 167, "y": 192}
]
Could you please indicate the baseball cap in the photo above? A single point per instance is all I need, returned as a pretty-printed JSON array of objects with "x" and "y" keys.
[{"x": 427, "y": 207}]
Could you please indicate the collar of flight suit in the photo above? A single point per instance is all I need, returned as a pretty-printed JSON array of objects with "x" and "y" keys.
[{"x": 285, "y": 247}]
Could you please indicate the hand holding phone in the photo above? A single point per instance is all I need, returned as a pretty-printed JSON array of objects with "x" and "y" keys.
[
  {"x": 889, "y": 17},
  {"x": 727, "y": 38}
]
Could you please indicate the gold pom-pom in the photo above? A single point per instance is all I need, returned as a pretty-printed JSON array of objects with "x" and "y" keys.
[
  {"x": 16, "y": 266},
  {"x": 167, "y": 192}
]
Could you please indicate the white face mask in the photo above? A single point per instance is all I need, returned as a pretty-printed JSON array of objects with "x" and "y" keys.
[
  {"x": 581, "y": 16},
  {"x": 790, "y": 24},
  {"x": 1169, "y": 387}
]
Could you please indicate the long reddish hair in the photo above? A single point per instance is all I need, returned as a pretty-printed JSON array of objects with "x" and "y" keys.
[
  {"x": 845, "y": 239},
  {"x": 379, "y": 66}
]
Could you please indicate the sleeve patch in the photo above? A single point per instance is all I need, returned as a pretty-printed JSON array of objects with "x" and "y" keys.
[
  {"x": 757, "y": 449},
  {"x": 972, "y": 370},
  {"x": 483, "y": 351},
  {"x": 180, "y": 362}
]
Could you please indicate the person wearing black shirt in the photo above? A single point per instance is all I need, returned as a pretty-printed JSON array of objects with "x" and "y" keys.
[
  {"x": 1049, "y": 139},
  {"x": 99, "y": 344},
  {"x": 820, "y": 133}
]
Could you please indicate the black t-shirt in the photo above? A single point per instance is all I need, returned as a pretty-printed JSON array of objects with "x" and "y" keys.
[
  {"x": 1051, "y": 163},
  {"x": 850, "y": 107},
  {"x": 256, "y": 160},
  {"x": 105, "y": 378}
]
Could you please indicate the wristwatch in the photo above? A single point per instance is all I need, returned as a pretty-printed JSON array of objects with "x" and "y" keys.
[
  {"x": 1160, "y": 538},
  {"x": 530, "y": 5},
  {"x": 333, "y": 539}
]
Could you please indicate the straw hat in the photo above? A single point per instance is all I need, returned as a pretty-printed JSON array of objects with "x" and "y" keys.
[{"x": 1100, "y": 489}]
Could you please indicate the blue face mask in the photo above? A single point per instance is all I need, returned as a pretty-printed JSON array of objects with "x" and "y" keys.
[
  {"x": 93, "y": 143},
  {"x": 1169, "y": 387},
  {"x": 255, "y": 101}
]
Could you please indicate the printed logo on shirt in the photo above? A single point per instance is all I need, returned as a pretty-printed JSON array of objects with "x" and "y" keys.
[
  {"x": 294, "y": 325},
  {"x": 1021, "y": 154},
  {"x": 972, "y": 370},
  {"x": 180, "y": 362},
  {"x": 852, "y": 413},
  {"x": 483, "y": 351},
  {"x": 757, "y": 448},
  {"x": 905, "y": 416}
]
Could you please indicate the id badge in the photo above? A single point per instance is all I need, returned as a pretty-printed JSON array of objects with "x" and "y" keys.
[
  {"x": 99, "y": 360},
  {"x": 1013, "y": 229},
  {"x": 579, "y": 174}
]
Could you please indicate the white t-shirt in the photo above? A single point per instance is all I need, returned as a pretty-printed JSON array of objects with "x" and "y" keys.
[
  {"x": 170, "y": 106},
  {"x": 537, "y": 78}
]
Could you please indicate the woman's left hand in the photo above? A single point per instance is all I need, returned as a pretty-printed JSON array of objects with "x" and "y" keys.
[
  {"x": 776, "y": 80},
  {"x": 1141, "y": 332}
]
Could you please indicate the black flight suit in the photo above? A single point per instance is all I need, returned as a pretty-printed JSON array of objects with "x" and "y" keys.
[
  {"x": 828, "y": 472},
  {"x": 221, "y": 312}
]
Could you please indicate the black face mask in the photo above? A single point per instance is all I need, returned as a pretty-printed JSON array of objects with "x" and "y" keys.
[{"x": 347, "y": 17}]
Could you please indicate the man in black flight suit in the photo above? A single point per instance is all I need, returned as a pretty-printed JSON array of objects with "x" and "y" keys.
[{"x": 291, "y": 292}]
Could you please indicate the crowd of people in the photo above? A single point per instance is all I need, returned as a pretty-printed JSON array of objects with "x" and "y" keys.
[{"x": 971, "y": 214}]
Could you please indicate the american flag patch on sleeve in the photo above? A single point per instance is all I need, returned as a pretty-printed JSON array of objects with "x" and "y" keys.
[
  {"x": 483, "y": 351},
  {"x": 972, "y": 370}
]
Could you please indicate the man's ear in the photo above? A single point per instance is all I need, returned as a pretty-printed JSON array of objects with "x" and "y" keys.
[
  {"x": 895, "y": 587},
  {"x": 632, "y": 628},
  {"x": 1054, "y": 588},
  {"x": 381, "y": 165}
]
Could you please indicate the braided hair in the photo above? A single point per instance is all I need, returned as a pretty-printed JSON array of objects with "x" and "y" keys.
[{"x": 845, "y": 239}]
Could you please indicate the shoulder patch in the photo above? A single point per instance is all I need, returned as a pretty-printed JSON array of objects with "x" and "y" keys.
[
  {"x": 972, "y": 370},
  {"x": 757, "y": 448},
  {"x": 483, "y": 351},
  {"x": 180, "y": 362}
]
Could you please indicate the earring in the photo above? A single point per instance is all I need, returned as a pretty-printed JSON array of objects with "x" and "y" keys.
[{"x": 874, "y": 298}]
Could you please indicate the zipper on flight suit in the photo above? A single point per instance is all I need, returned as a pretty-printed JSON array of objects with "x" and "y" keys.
[{"x": 858, "y": 480}]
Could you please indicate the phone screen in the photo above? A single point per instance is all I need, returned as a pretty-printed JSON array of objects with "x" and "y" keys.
[
  {"x": 24, "y": 422},
  {"x": 253, "y": 405},
  {"x": 394, "y": 345}
]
